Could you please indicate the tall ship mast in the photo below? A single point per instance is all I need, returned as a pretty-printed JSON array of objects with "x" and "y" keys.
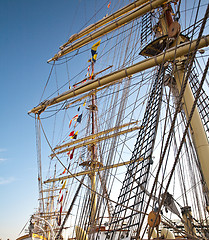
[{"x": 122, "y": 146}]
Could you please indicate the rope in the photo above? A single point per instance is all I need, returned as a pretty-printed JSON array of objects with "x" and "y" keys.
[{"x": 177, "y": 109}]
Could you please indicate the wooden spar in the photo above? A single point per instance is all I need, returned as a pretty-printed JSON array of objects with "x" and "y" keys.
[
  {"x": 93, "y": 141},
  {"x": 50, "y": 190},
  {"x": 180, "y": 50},
  {"x": 104, "y": 21},
  {"x": 92, "y": 136},
  {"x": 49, "y": 197},
  {"x": 90, "y": 171},
  {"x": 147, "y": 7},
  {"x": 53, "y": 214}
]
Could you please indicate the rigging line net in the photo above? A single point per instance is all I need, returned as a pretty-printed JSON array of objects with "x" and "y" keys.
[
  {"x": 121, "y": 112},
  {"x": 120, "y": 109},
  {"x": 187, "y": 169},
  {"x": 137, "y": 173},
  {"x": 115, "y": 141},
  {"x": 203, "y": 100},
  {"x": 146, "y": 27},
  {"x": 120, "y": 120},
  {"x": 119, "y": 116},
  {"x": 185, "y": 134}
]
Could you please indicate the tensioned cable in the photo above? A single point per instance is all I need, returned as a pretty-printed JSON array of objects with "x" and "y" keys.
[
  {"x": 176, "y": 113},
  {"x": 180, "y": 99},
  {"x": 77, "y": 178},
  {"x": 47, "y": 82},
  {"x": 186, "y": 129}
]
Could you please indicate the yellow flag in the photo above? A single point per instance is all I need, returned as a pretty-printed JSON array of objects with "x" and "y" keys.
[
  {"x": 63, "y": 186},
  {"x": 96, "y": 45}
]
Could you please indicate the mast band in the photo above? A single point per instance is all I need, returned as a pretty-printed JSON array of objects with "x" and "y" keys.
[
  {"x": 74, "y": 92},
  {"x": 156, "y": 60},
  {"x": 116, "y": 22},
  {"x": 126, "y": 72}
]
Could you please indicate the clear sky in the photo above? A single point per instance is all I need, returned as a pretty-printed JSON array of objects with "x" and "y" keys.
[{"x": 31, "y": 32}]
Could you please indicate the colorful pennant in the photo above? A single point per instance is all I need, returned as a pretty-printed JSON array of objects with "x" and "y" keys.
[
  {"x": 75, "y": 118},
  {"x": 71, "y": 155},
  {"x": 94, "y": 51},
  {"x": 61, "y": 199},
  {"x": 63, "y": 186},
  {"x": 75, "y": 135},
  {"x": 79, "y": 118},
  {"x": 71, "y": 134}
]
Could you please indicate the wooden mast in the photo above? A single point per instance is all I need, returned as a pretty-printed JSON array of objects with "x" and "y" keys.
[
  {"x": 92, "y": 175},
  {"x": 196, "y": 126}
]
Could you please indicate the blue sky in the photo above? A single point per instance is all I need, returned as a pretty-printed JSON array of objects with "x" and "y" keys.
[{"x": 31, "y": 32}]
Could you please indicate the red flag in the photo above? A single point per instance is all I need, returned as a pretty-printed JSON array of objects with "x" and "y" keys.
[
  {"x": 91, "y": 76},
  {"x": 71, "y": 155},
  {"x": 68, "y": 153},
  {"x": 61, "y": 199},
  {"x": 59, "y": 217},
  {"x": 71, "y": 134},
  {"x": 109, "y": 4},
  {"x": 75, "y": 117},
  {"x": 63, "y": 172}
]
